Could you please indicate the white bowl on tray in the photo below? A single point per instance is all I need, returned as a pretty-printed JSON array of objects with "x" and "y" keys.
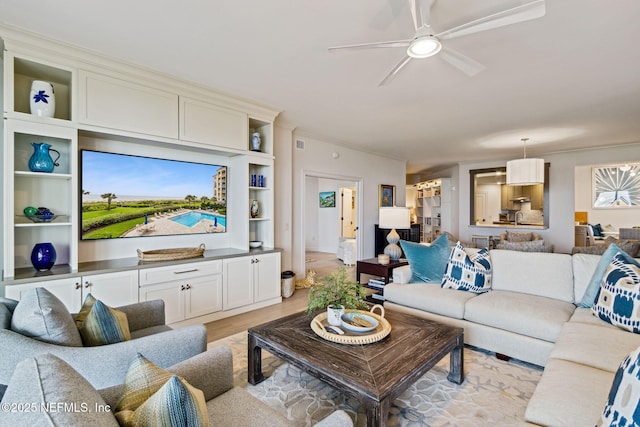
[
  {"x": 253, "y": 244},
  {"x": 358, "y": 322}
]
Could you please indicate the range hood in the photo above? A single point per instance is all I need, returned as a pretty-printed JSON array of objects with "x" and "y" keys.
[{"x": 521, "y": 199}]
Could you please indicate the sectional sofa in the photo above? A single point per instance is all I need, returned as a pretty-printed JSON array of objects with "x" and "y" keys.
[{"x": 531, "y": 313}]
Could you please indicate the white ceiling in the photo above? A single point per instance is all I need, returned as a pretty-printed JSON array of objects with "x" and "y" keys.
[{"x": 568, "y": 80}]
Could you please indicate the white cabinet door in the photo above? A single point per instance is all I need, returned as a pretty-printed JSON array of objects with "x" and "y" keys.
[
  {"x": 119, "y": 104},
  {"x": 266, "y": 276},
  {"x": 213, "y": 125},
  {"x": 173, "y": 298},
  {"x": 203, "y": 296},
  {"x": 113, "y": 289},
  {"x": 238, "y": 282},
  {"x": 68, "y": 291}
]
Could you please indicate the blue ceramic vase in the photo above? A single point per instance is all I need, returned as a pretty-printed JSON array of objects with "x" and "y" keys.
[
  {"x": 41, "y": 160},
  {"x": 43, "y": 256}
]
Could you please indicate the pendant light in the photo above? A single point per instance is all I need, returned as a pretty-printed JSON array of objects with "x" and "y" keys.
[{"x": 525, "y": 171}]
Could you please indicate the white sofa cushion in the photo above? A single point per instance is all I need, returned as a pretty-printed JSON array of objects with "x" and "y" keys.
[
  {"x": 530, "y": 315},
  {"x": 536, "y": 273},
  {"x": 584, "y": 265},
  {"x": 585, "y": 315},
  {"x": 596, "y": 346},
  {"x": 569, "y": 394},
  {"x": 429, "y": 297}
]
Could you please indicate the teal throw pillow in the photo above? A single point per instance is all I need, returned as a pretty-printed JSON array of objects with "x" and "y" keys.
[
  {"x": 428, "y": 263},
  {"x": 593, "y": 287},
  {"x": 467, "y": 273},
  {"x": 618, "y": 300},
  {"x": 623, "y": 405}
]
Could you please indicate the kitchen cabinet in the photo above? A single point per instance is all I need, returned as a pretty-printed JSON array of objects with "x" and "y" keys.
[
  {"x": 251, "y": 279},
  {"x": 537, "y": 197},
  {"x": 188, "y": 290},
  {"x": 509, "y": 193},
  {"x": 114, "y": 289}
]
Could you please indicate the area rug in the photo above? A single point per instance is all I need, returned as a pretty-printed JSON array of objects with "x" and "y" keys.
[{"x": 494, "y": 392}]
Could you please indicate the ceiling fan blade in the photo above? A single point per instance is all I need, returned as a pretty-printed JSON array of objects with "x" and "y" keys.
[
  {"x": 461, "y": 62},
  {"x": 420, "y": 12},
  {"x": 526, "y": 12},
  {"x": 405, "y": 60},
  {"x": 395, "y": 43}
]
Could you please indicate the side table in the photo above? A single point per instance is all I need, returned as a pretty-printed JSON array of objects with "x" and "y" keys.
[{"x": 372, "y": 267}]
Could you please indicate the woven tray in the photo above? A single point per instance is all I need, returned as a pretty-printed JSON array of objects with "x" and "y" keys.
[
  {"x": 171, "y": 254},
  {"x": 382, "y": 330}
]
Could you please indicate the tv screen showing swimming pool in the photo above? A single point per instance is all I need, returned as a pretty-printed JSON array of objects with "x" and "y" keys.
[{"x": 133, "y": 196}]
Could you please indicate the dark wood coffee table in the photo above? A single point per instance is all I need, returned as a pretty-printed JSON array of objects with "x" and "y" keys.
[{"x": 375, "y": 374}]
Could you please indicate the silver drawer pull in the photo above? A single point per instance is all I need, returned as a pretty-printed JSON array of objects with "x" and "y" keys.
[{"x": 185, "y": 271}]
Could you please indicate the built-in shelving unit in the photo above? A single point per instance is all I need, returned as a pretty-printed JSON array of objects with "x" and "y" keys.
[
  {"x": 99, "y": 101},
  {"x": 56, "y": 191},
  {"x": 433, "y": 208}
]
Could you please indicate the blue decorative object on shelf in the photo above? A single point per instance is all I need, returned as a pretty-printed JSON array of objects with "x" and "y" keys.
[
  {"x": 41, "y": 160},
  {"x": 42, "y": 99},
  {"x": 43, "y": 256}
]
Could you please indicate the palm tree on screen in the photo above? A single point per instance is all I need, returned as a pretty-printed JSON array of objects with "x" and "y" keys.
[{"x": 109, "y": 197}]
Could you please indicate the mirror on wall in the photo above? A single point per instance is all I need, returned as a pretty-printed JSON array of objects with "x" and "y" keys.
[
  {"x": 495, "y": 204},
  {"x": 616, "y": 186}
]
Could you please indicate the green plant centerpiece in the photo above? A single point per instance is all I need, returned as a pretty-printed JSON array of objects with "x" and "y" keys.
[{"x": 336, "y": 294}]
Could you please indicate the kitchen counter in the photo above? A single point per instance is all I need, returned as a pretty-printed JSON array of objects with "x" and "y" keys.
[{"x": 509, "y": 225}]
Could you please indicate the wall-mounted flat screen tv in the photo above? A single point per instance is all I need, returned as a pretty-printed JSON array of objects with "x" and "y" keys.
[{"x": 133, "y": 196}]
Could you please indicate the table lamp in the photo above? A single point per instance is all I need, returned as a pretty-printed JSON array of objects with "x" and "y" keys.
[{"x": 392, "y": 218}]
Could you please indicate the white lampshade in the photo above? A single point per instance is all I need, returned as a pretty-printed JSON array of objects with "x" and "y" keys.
[
  {"x": 395, "y": 217},
  {"x": 525, "y": 172}
]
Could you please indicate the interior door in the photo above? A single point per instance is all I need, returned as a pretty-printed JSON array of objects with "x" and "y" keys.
[
  {"x": 481, "y": 207},
  {"x": 347, "y": 213}
]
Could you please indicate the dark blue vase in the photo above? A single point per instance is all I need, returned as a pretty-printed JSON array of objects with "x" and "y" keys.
[{"x": 43, "y": 256}]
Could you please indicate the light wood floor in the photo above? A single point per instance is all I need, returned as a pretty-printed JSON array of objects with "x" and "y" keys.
[{"x": 320, "y": 262}]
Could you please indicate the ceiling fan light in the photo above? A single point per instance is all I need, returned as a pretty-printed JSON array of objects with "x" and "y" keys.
[
  {"x": 525, "y": 172},
  {"x": 424, "y": 47}
]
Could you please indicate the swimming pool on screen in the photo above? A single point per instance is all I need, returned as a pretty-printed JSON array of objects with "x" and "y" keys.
[{"x": 192, "y": 218}]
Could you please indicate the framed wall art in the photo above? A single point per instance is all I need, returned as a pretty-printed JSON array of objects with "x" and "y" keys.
[
  {"x": 616, "y": 186},
  {"x": 327, "y": 199},
  {"x": 387, "y": 196}
]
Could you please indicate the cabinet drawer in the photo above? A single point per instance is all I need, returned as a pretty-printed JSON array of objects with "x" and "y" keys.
[{"x": 151, "y": 276}]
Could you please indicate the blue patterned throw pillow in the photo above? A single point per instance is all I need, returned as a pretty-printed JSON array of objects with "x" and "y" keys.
[
  {"x": 623, "y": 404},
  {"x": 467, "y": 273},
  {"x": 618, "y": 300},
  {"x": 100, "y": 324}
]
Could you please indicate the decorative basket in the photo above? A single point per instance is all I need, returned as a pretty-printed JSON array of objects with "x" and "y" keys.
[
  {"x": 171, "y": 254},
  {"x": 382, "y": 330}
]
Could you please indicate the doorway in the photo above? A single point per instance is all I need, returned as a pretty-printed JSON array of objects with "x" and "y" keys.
[{"x": 331, "y": 230}]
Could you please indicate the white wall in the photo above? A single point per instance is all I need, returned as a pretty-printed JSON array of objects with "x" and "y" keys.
[
  {"x": 615, "y": 217},
  {"x": 327, "y": 160},
  {"x": 561, "y": 191},
  {"x": 283, "y": 151}
]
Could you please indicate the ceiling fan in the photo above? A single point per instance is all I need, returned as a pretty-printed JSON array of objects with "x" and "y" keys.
[{"x": 425, "y": 44}]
